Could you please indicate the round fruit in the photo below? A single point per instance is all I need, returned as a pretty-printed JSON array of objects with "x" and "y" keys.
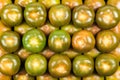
[
  {"x": 83, "y": 41},
  {"x": 34, "y": 40},
  {"x": 11, "y": 15},
  {"x": 83, "y": 16},
  {"x": 107, "y": 17},
  {"x": 59, "y": 41},
  {"x": 9, "y": 64},
  {"x": 106, "y": 41},
  {"x": 10, "y": 41},
  {"x": 35, "y": 14},
  {"x": 106, "y": 64},
  {"x": 70, "y": 77},
  {"x": 59, "y": 65},
  {"x": 83, "y": 65},
  {"x": 59, "y": 15},
  {"x": 36, "y": 64}
]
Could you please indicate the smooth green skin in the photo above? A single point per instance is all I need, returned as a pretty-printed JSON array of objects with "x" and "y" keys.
[
  {"x": 70, "y": 77},
  {"x": 103, "y": 15},
  {"x": 35, "y": 14},
  {"x": 22, "y": 28},
  {"x": 59, "y": 15},
  {"x": 34, "y": 40},
  {"x": 36, "y": 64},
  {"x": 49, "y": 3},
  {"x": 116, "y": 52},
  {"x": 106, "y": 64},
  {"x": 10, "y": 41},
  {"x": 95, "y": 4},
  {"x": 3, "y": 3},
  {"x": 94, "y": 76},
  {"x": 59, "y": 65},
  {"x": 114, "y": 76},
  {"x": 93, "y": 53},
  {"x": 83, "y": 41},
  {"x": 114, "y": 3},
  {"x": 83, "y": 65},
  {"x": 5, "y": 77},
  {"x": 47, "y": 28},
  {"x": 72, "y": 3},
  {"x": 71, "y": 53},
  {"x": 23, "y": 75},
  {"x": 11, "y": 15},
  {"x": 23, "y": 3},
  {"x": 46, "y": 77},
  {"x": 106, "y": 41},
  {"x": 2, "y": 51},
  {"x": 85, "y": 20},
  {"x": 59, "y": 41},
  {"x": 14, "y": 64},
  {"x": 70, "y": 28}
]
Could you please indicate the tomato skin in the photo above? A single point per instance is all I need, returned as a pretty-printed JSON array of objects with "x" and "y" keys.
[
  {"x": 83, "y": 16},
  {"x": 83, "y": 41},
  {"x": 83, "y": 65},
  {"x": 35, "y": 14},
  {"x": 59, "y": 41},
  {"x": 70, "y": 77},
  {"x": 107, "y": 17},
  {"x": 46, "y": 76},
  {"x": 11, "y": 15},
  {"x": 36, "y": 64},
  {"x": 59, "y": 65},
  {"x": 14, "y": 64},
  {"x": 106, "y": 41},
  {"x": 34, "y": 40},
  {"x": 59, "y": 15},
  {"x": 106, "y": 64},
  {"x": 10, "y": 41},
  {"x": 72, "y": 3},
  {"x": 49, "y": 3},
  {"x": 96, "y": 4},
  {"x": 23, "y": 3}
]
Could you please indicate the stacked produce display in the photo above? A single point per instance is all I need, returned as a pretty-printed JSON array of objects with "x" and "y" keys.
[{"x": 59, "y": 39}]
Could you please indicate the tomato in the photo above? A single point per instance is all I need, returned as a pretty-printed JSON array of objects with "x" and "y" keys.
[
  {"x": 106, "y": 64},
  {"x": 59, "y": 65},
  {"x": 34, "y": 40},
  {"x": 36, "y": 64},
  {"x": 49, "y": 3},
  {"x": 107, "y": 17},
  {"x": 23, "y": 3},
  {"x": 72, "y": 3},
  {"x": 59, "y": 15},
  {"x": 59, "y": 41},
  {"x": 70, "y": 77},
  {"x": 22, "y": 28},
  {"x": 10, "y": 41},
  {"x": 106, "y": 41},
  {"x": 23, "y": 75},
  {"x": 95, "y": 4},
  {"x": 9, "y": 64},
  {"x": 46, "y": 77},
  {"x": 35, "y": 14},
  {"x": 83, "y": 16},
  {"x": 83, "y": 41},
  {"x": 83, "y": 65},
  {"x": 11, "y": 15}
]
